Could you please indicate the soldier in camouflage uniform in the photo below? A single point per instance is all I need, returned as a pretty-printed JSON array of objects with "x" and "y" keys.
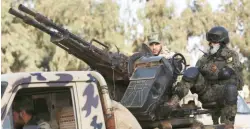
[
  {"x": 216, "y": 78},
  {"x": 155, "y": 44},
  {"x": 23, "y": 115}
]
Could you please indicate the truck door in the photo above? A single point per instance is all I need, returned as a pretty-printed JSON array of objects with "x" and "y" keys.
[
  {"x": 89, "y": 106},
  {"x": 55, "y": 103}
]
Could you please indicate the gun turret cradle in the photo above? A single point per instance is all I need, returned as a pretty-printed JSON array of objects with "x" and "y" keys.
[{"x": 150, "y": 82}]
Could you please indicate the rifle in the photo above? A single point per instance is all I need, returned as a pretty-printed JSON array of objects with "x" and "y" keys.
[
  {"x": 186, "y": 112},
  {"x": 102, "y": 60}
]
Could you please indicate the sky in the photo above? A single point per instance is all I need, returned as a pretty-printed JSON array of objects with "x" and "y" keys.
[
  {"x": 129, "y": 7},
  {"x": 180, "y": 5}
]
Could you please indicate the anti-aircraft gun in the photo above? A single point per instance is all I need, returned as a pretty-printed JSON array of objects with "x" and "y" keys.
[
  {"x": 102, "y": 60},
  {"x": 145, "y": 80},
  {"x": 112, "y": 65}
]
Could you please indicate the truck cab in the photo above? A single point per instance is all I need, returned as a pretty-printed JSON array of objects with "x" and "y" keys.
[{"x": 66, "y": 100}]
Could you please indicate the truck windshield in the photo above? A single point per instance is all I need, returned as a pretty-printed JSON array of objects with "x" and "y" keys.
[
  {"x": 144, "y": 73},
  {"x": 4, "y": 84}
]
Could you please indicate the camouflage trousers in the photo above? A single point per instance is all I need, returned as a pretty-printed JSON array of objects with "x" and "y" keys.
[
  {"x": 226, "y": 114},
  {"x": 212, "y": 93},
  {"x": 222, "y": 109}
]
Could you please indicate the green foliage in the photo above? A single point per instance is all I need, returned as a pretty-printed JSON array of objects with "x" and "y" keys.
[{"x": 19, "y": 53}]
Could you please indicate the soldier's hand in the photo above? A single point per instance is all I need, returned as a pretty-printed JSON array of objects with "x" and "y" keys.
[{"x": 213, "y": 68}]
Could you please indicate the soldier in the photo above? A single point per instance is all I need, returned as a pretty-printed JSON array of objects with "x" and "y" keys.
[
  {"x": 216, "y": 78},
  {"x": 155, "y": 44},
  {"x": 23, "y": 115}
]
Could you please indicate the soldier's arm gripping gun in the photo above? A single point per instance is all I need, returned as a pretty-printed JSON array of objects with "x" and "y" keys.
[{"x": 102, "y": 60}]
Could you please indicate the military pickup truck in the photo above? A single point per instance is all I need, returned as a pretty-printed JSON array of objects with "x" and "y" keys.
[{"x": 66, "y": 100}]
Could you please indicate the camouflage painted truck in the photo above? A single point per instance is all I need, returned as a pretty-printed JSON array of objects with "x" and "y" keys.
[
  {"x": 142, "y": 82},
  {"x": 72, "y": 100}
]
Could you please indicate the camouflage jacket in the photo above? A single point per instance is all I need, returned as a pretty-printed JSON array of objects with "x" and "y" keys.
[
  {"x": 166, "y": 52},
  {"x": 210, "y": 66}
]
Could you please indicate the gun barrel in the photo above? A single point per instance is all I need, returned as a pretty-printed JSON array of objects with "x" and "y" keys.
[
  {"x": 26, "y": 10},
  {"x": 199, "y": 112},
  {"x": 72, "y": 44},
  {"x": 39, "y": 17},
  {"x": 15, "y": 13},
  {"x": 32, "y": 22},
  {"x": 75, "y": 45},
  {"x": 49, "y": 23},
  {"x": 35, "y": 24}
]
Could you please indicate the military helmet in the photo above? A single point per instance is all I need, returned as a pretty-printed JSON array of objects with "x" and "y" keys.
[{"x": 218, "y": 34}]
